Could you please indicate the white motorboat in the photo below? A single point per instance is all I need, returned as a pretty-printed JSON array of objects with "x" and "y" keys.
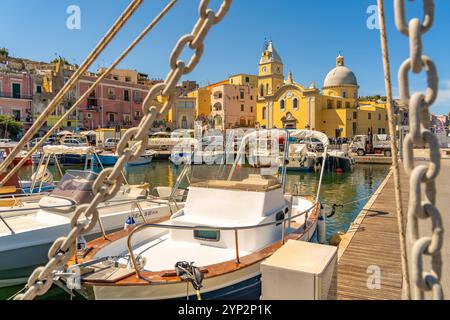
[
  {"x": 234, "y": 218},
  {"x": 30, "y": 225}
]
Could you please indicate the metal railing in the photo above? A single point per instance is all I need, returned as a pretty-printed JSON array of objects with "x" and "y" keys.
[
  {"x": 15, "y": 96},
  {"x": 211, "y": 228}
]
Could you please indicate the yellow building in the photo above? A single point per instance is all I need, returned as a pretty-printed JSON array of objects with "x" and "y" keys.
[
  {"x": 334, "y": 110},
  {"x": 203, "y": 102}
]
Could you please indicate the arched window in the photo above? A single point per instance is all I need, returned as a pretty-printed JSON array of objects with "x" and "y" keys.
[
  {"x": 261, "y": 90},
  {"x": 295, "y": 103},
  {"x": 282, "y": 105},
  {"x": 264, "y": 113}
]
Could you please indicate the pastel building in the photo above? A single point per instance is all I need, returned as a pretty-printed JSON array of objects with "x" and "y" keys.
[
  {"x": 112, "y": 103},
  {"x": 16, "y": 92},
  {"x": 234, "y": 105}
]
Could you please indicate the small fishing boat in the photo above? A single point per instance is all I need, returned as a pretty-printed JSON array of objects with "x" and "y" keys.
[
  {"x": 29, "y": 226},
  {"x": 20, "y": 157},
  {"x": 110, "y": 159},
  {"x": 234, "y": 218}
]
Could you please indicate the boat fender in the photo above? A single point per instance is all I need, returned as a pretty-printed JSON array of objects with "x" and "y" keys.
[
  {"x": 321, "y": 230},
  {"x": 129, "y": 223}
]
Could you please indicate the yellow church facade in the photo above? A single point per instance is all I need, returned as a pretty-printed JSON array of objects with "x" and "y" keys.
[{"x": 334, "y": 110}]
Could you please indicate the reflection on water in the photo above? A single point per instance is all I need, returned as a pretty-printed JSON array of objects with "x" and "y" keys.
[{"x": 336, "y": 189}]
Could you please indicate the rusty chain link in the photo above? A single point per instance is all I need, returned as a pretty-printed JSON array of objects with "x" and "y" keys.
[
  {"x": 133, "y": 143},
  {"x": 422, "y": 177}
]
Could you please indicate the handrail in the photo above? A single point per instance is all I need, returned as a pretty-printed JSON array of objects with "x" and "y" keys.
[
  {"x": 115, "y": 203},
  {"x": 193, "y": 228}
]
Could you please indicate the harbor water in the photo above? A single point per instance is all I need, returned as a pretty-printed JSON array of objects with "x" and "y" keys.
[{"x": 352, "y": 189}]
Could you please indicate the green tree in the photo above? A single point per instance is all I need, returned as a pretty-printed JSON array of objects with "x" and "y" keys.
[
  {"x": 62, "y": 59},
  {"x": 4, "y": 52},
  {"x": 7, "y": 123}
]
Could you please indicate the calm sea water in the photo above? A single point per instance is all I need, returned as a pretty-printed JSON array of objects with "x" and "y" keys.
[{"x": 337, "y": 188}]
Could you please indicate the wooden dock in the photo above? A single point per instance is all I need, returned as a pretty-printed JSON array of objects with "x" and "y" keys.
[
  {"x": 373, "y": 159},
  {"x": 372, "y": 244}
]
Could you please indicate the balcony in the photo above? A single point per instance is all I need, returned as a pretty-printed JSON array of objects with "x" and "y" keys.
[{"x": 15, "y": 96}]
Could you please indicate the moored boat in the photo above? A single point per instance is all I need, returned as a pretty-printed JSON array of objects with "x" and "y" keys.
[
  {"x": 29, "y": 226},
  {"x": 234, "y": 218}
]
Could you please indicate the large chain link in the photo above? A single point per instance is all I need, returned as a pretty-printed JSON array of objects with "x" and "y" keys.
[
  {"x": 133, "y": 143},
  {"x": 421, "y": 176}
]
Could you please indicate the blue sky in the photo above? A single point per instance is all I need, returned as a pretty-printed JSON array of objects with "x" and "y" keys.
[{"x": 307, "y": 34}]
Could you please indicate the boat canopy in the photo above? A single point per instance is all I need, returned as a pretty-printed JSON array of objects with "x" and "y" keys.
[
  {"x": 61, "y": 149},
  {"x": 308, "y": 134}
]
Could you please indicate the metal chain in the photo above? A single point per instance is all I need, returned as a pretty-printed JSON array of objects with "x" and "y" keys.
[
  {"x": 421, "y": 176},
  {"x": 133, "y": 143}
]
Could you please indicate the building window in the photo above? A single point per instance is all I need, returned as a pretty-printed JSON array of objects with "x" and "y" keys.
[
  {"x": 251, "y": 109},
  {"x": 137, "y": 96},
  {"x": 16, "y": 90},
  {"x": 282, "y": 105},
  {"x": 355, "y": 115},
  {"x": 220, "y": 95},
  {"x": 38, "y": 89},
  {"x": 261, "y": 90},
  {"x": 251, "y": 98},
  {"x": 242, "y": 95},
  {"x": 126, "y": 95},
  {"x": 242, "y": 108},
  {"x": 344, "y": 94},
  {"x": 330, "y": 104},
  {"x": 264, "y": 113},
  {"x": 339, "y": 104},
  {"x": 347, "y": 105},
  {"x": 295, "y": 102},
  {"x": 127, "y": 79},
  {"x": 247, "y": 79},
  {"x": 111, "y": 94},
  {"x": 267, "y": 89},
  {"x": 184, "y": 123},
  {"x": 89, "y": 115},
  {"x": 16, "y": 114},
  {"x": 369, "y": 116},
  {"x": 379, "y": 117}
]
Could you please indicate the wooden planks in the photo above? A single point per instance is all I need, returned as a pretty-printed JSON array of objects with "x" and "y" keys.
[{"x": 375, "y": 246}]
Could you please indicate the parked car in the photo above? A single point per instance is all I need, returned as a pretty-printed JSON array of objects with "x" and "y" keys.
[{"x": 110, "y": 143}]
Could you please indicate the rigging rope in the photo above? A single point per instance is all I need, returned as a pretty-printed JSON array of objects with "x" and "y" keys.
[
  {"x": 395, "y": 154},
  {"x": 132, "y": 144},
  {"x": 39, "y": 122},
  {"x": 89, "y": 91}
]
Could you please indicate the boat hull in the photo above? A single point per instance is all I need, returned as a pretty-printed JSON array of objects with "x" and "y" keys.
[{"x": 242, "y": 284}]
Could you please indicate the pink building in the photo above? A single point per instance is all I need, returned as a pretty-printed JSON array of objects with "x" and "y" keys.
[
  {"x": 233, "y": 106},
  {"x": 114, "y": 102},
  {"x": 16, "y": 94}
]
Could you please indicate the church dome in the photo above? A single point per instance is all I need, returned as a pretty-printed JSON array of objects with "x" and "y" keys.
[{"x": 340, "y": 76}]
